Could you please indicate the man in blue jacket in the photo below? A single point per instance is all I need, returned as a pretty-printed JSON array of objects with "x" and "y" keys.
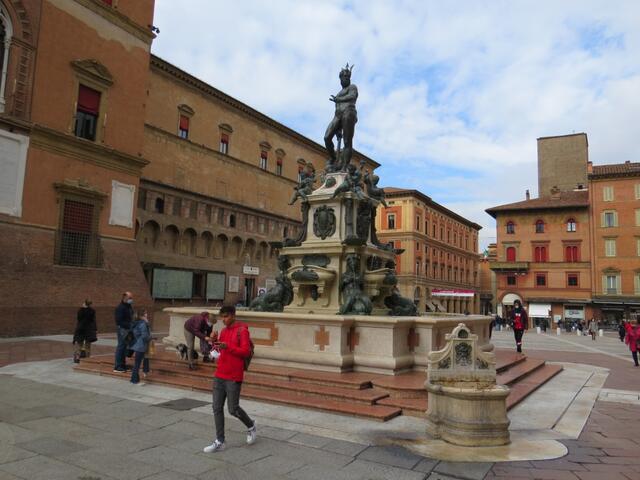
[{"x": 124, "y": 321}]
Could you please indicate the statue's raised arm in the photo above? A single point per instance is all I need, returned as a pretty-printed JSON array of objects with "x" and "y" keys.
[{"x": 344, "y": 121}]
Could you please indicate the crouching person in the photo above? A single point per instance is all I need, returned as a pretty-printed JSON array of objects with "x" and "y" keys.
[
  {"x": 199, "y": 326},
  {"x": 234, "y": 345}
]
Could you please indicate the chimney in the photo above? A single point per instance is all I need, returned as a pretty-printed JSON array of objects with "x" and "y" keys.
[
  {"x": 589, "y": 166},
  {"x": 527, "y": 196}
]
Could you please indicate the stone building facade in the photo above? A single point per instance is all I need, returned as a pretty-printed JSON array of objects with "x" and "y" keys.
[
  {"x": 439, "y": 266},
  {"x": 216, "y": 191},
  {"x": 573, "y": 253},
  {"x": 69, "y": 177}
]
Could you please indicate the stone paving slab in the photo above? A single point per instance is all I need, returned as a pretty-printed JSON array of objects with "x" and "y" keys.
[
  {"x": 467, "y": 470},
  {"x": 11, "y": 453},
  {"x": 120, "y": 466},
  {"x": 52, "y": 447},
  {"x": 373, "y": 470},
  {"x": 390, "y": 455}
]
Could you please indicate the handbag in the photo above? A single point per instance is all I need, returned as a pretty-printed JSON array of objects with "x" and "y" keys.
[{"x": 152, "y": 348}]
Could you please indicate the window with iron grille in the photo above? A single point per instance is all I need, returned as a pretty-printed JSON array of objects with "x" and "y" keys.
[
  {"x": 177, "y": 206},
  {"x": 77, "y": 241}
]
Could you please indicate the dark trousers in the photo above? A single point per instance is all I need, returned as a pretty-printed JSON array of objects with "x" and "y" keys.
[
  {"x": 121, "y": 349},
  {"x": 230, "y": 391},
  {"x": 139, "y": 359},
  {"x": 635, "y": 357},
  {"x": 518, "y": 334}
]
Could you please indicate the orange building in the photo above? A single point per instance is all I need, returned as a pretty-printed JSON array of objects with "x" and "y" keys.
[
  {"x": 614, "y": 194},
  {"x": 439, "y": 266},
  {"x": 72, "y": 96},
  {"x": 542, "y": 256},
  {"x": 574, "y": 252}
]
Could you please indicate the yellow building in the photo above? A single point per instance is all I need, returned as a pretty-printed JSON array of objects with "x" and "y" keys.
[
  {"x": 439, "y": 266},
  {"x": 216, "y": 191}
]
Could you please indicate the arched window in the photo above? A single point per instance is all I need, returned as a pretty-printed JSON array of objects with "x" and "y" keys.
[
  {"x": 511, "y": 254},
  {"x": 540, "y": 254},
  {"x": 539, "y": 226},
  {"x": 571, "y": 225},
  {"x": 511, "y": 227},
  {"x": 572, "y": 253},
  {"x": 6, "y": 32}
]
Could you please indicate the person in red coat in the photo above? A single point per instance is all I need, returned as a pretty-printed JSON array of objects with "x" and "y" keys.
[
  {"x": 520, "y": 321},
  {"x": 234, "y": 345},
  {"x": 632, "y": 338}
]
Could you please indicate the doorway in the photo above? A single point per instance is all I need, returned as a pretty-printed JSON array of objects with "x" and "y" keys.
[{"x": 249, "y": 290}]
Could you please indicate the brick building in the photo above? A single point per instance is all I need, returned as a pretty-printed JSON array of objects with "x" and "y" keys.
[
  {"x": 439, "y": 267},
  {"x": 574, "y": 252},
  {"x": 216, "y": 191},
  {"x": 614, "y": 195},
  {"x": 71, "y": 158}
]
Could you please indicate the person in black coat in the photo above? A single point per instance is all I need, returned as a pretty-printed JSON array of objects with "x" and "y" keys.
[
  {"x": 520, "y": 321},
  {"x": 86, "y": 331}
]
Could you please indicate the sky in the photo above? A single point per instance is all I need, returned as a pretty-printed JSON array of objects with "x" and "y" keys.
[{"x": 452, "y": 94}]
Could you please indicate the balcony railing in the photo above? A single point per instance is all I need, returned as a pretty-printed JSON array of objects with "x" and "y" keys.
[{"x": 509, "y": 266}]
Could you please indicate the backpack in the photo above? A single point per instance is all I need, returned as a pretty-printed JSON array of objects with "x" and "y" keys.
[{"x": 247, "y": 360}]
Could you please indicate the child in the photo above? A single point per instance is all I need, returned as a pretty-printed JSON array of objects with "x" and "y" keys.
[{"x": 140, "y": 345}]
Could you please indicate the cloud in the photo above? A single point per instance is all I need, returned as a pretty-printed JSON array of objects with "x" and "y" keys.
[{"x": 452, "y": 94}]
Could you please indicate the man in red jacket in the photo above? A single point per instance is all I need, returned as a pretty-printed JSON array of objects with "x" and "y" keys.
[{"x": 234, "y": 347}]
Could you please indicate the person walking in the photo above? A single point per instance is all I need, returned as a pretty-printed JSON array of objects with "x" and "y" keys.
[
  {"x": 199, "y": 326},
  {"x": 86, "y": 331},
  {"x": 124, "y": 321},
  {"x": 593, "y": 329},
  {"x": 520, "y": 321},
  {"x": 234, "y": 347},
  {"x": 632, "y": 338},
  {"x": 622, "y": 330},
  {"x": 140, "y": 345}
]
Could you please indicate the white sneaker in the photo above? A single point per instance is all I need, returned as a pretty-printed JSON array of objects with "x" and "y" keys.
[
  {"x": 251, "y": 434},
  {"x": 216, "y": 446}
]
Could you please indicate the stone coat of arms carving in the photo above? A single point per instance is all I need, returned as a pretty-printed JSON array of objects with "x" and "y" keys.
[{"x": 324, "y": 222}]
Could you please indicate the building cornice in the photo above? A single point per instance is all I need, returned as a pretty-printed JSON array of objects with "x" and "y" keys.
[
  {"x": 66, "y": 145},
  {"x": 432, "y": 204},
  {"x": 114, "y": 16},
  {"x": 166, "y": 68}
]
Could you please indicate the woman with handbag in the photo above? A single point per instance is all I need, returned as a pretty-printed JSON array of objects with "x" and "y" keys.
[
  {"x": 86, "y": 332},
  {"x": 633, "y": 338},
  {"x": 140, "y": 346}
]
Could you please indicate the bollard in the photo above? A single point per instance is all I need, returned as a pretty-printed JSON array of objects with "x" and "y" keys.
[
  {"x": 538, "y": 330},
  {"x": 558, "y": 330},
  {"x": 577, "y": 331},
  {"x": 601, "y": 333}
]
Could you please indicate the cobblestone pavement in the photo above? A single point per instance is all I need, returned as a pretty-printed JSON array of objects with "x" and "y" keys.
[{"x": 54, "y": 431}]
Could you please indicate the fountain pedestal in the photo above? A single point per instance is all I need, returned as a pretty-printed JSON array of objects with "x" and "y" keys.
[{"x": 465, "y": 405}]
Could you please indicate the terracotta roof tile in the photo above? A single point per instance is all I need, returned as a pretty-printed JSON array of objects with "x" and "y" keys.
[
  {"x": 616, "y": 169},
  {"x": 563, "y": 200}
]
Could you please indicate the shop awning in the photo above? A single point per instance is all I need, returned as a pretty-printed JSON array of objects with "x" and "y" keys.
[{"x": 539, "y": 309}]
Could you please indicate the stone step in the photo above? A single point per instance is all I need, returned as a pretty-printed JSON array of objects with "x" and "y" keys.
[
  {"x": 523, "y": 388},
  {"x": 346, "y": 406},
  {"x": 206, "y": 371},
  {"x": 414, "y": 407},
  {"x": 373, "y": 412},
  {"x": 519, "y": 371}
]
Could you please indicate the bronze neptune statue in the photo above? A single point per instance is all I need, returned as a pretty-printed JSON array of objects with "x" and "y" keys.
[{"x": 344, "y": 122}]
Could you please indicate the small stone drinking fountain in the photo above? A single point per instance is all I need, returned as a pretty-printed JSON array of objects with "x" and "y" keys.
[{"x": 465, "y": 405}]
